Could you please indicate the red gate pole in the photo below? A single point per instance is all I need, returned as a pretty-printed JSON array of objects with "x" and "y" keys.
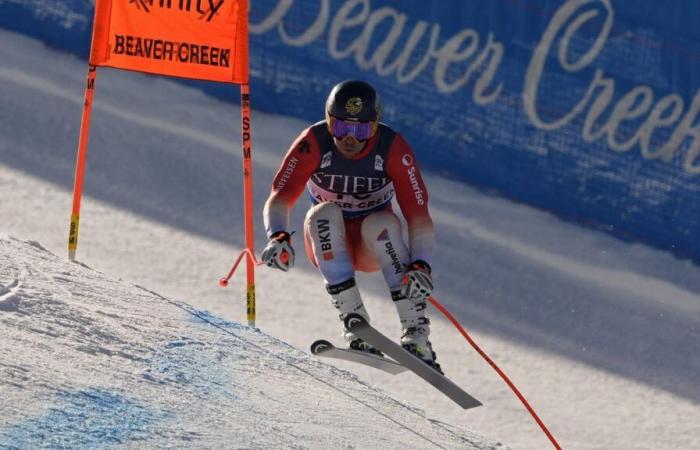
[
  {"x": 80, "y": 162},
  {"x": 248, "y": 202}
]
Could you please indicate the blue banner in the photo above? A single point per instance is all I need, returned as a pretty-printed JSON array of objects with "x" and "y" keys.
[{"x": 587, "y": 108}]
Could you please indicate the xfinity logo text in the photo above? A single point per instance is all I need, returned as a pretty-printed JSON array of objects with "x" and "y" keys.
[{"x": 204, "y": 8}]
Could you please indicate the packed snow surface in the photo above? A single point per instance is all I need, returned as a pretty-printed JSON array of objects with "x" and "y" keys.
[{"x": 89, "y": 361}]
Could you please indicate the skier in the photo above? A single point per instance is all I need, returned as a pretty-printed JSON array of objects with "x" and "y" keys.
[{"x": 351, "y": 165}]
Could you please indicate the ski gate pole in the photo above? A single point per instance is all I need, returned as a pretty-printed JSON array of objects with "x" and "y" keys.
[
  {"x": 80, "y": 162},
  {"x": 248, "y": 203}
]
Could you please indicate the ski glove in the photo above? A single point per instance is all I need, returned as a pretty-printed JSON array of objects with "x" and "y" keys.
[
  {"x": 279, "y": 253},
  {"x": 417, "y": 283}
]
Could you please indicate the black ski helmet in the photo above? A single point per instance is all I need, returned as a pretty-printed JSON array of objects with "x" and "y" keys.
[{"x": 353, "y": 100}]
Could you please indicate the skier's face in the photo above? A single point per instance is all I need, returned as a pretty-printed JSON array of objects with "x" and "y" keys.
[{"x": 349, "y": 146}]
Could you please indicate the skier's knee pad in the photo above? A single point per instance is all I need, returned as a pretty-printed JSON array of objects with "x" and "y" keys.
[
  {"x": 325, "y": 214},
  {"x": 378, "y": 223}
]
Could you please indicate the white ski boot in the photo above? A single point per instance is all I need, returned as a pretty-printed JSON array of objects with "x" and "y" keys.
[
  {"x": 415, "y": 340},
  {"x": 346, "y": 298},
  {"x": 415, "y": 329}
]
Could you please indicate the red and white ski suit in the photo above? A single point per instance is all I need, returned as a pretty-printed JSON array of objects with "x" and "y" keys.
[{"x": 351, "y": 225}]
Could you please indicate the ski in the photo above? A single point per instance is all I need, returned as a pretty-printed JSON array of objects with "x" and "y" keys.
[
  {"x": 327, "y": 350},
  {"x": 358, "y": 325}
]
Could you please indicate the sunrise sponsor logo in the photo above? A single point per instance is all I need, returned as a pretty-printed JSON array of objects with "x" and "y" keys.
[{"x": 407, "y": 160}]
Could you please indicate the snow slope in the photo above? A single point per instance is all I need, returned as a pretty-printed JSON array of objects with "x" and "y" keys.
[
  {"x": 602, "y": 336},
  {"x": 89, "y": 361}
]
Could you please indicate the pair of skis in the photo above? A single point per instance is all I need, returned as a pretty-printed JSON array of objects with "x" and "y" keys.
[{"x": 403, "y": 360}]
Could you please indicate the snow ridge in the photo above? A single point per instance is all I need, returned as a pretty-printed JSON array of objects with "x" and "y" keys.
[{"x": 92, "y": 361}]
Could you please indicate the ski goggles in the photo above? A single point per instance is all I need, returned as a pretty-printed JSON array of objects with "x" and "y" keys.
[{"x": 359, "y": 130}]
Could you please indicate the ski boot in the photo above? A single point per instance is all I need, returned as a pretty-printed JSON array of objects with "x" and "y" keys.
[
  {"x": 346, "y": 299},
  {"x": 415, "y": 328},
  {"x": 415, "y": 340}
]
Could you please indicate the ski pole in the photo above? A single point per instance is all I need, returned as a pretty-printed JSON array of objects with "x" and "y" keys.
[
  {"x": 503, "y": 376},
  {"x": 223, "y": 282}
]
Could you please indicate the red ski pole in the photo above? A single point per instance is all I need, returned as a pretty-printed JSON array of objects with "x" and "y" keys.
[{"x": 498, "y": 370}]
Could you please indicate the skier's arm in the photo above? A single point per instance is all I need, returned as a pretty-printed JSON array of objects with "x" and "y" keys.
[
  {"x": 299, "y": 163},
  {"x": 412, "y": 197}
]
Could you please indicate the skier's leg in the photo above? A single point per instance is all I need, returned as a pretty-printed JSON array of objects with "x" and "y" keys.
[
  {"x": 326, "y": 239},
  {"x": 381, "y": 232},
  {"x": 324, "y": 231}
]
